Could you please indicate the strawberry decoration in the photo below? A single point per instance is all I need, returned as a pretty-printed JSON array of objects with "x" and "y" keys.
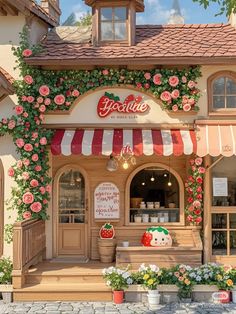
[{"x": 107, "y": 231}]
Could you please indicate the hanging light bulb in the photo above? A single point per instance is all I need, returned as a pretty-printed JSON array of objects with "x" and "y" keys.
[
  {"x": 125, "y": 165},
  {"x": 165, "y": 175},
  {"x": 169, "y": 183},
  {"x": 143, "y": 183},
  {"x": 152, "y": 179}
]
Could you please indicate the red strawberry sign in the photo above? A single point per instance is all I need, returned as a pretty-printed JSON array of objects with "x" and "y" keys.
[
  {"x": 107, "y": 231},
  {"x": 110, "y": 103}
]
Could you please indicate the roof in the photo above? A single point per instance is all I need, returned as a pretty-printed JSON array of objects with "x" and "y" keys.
[
  {"x": 155, "y": 44},
  {"x": 6, "y": 81},
  {"x": 41, "y": 13}
]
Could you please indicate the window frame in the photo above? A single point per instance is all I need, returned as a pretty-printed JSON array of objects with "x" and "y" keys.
[
  {"x": 221, "y": 111},
  {"x": 113, "y": 41}
]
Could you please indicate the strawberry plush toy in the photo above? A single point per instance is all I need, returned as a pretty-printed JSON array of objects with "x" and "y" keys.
[
  {"x": 156, "y": 236},
  {"x": 107, "y": 231}
]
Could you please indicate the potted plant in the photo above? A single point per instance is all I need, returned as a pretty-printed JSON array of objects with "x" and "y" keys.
[
  {"x": 233, "y": 277},
  {"x": 150, "y": 279},
  {"x": 184, "y": 282},
  {"x": 118, "y": 279},
  {"x": 224, "y": 283},
  {"x": 107, "y": 243},
  {"x": 5, "y": 279}
]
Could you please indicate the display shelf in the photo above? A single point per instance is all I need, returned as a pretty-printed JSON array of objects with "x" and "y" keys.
[{"x": 154, "y": 209}]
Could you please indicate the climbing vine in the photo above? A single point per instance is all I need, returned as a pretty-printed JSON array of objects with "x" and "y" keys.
[{"x": 40, "y": 91}]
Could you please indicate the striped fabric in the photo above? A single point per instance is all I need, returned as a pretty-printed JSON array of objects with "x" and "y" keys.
[{"x": 111, "y": 141}]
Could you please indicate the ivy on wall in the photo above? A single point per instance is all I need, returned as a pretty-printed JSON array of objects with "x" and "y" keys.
[{"x": 42, "y": 90}]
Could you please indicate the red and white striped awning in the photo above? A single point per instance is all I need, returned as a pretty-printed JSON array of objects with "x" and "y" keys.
[
  {"x": 215, "y": 139},
  {"x": 111, "y": 141}
]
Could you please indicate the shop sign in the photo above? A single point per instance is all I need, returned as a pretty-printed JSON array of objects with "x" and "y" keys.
[
  {"x": 220, "y": 187},
  {"x": 106, "y": 201},
  {"x": 110, "y": 103}
]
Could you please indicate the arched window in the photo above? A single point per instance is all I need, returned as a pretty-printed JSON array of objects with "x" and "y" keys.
[
  {"x": 1, "y": 208},
  {"x": 222, "y": 91},
  {"x": 156, "y": 195}
]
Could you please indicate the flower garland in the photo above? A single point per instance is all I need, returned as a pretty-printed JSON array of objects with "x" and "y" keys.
[
  {"x": 42, "y": 90},
  {"x": 194, "y": 191}
]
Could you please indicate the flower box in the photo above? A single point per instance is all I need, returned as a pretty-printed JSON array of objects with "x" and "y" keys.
[
  {"x": 7, "y": 292},
  {"x": 182, "y": 112}
]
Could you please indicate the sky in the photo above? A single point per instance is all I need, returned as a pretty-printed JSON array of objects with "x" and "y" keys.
[{"x": 156, "y": 11}]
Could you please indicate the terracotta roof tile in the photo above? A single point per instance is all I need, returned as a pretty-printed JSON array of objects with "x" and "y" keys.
[
  {"x": 6, "y": 81},
  {"x": 7, "y": 76}
]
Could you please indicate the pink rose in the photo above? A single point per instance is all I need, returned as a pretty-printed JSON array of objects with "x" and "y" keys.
[
  {"x": 59, "y": 100},
  {"x": 68, "y": 103},
  {"x": 197, "y": 204},
  {"x": 41, "y": 117},
  {"x": 38, "y": 168},
  {"x": 36, "y": 106},
  {"x": 36, "y": 207},
  {"x": 25, "y": 115},
  {"x": 184, "y": 79},
  {"x": 26, "y": 162},
  {"x": 11, "y": 124},
  {"x": 166, "y": 96},
  {"x": 105, "y": 72},
  {"x": 19, "y": 109},
  {"x": 28, "y": 147},
  {"x": 35, "y": 157},
  {"x": 190, "y": 218},
  {"x": 23, "y": 98},
  {"x": 34, "y": 183},
  {"x": 42, "y": 190},
  {"x": 19, "y": 164},
  {"x": 157, "y": 79},
  {"x": 198, "y": 161},
  {"x": 139, "y": 85},
  {"x": 175, "y": 93},
  {"x": 198, "y": 220},
  {"x": 187, "y": 107},
  {"x": 42, "y": 108},
  {"x": 44, "y": 90},
  {"x": 11, "y": 172},
  {"x": 27, "y": 215},
  {"x": 35, "y": 135},
  {"x": 147, "y": 86},
  {"x": 175, "y": 108},
  {"x": 173, "y": 81},
  {"x": 28, "y": 79},
  {"x": 190, "y": 208},
  {"x": 75, "y": 93},
  {"x": 201, "y": 170},
  {"x": 68, "y": 93},
  {"x": 191, "y": 101},
  {"x": 25, "y": 176},
  {"x": 27, "y": 53},
  {"x": 45, "y": 201},
  {"x": 40, "y": 100},
  {"x": 191, "y": 84},
  {"x": 199, "y": 180},
  {"x": 147, "y": 75},
  {"x": 47, "y": 101},
  {"x": 36, "y": 144},
  {"x": 48, "y": 188},
  {"x": 28, "y": 198},
  {"x": 43, "y": 141},
  {"x": 30, "y": 99}
]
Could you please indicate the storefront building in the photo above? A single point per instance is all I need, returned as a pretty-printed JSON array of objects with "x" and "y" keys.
[{"x": 134, "y": 117}]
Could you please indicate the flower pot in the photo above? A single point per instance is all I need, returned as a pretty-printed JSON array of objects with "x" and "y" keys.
[
  {"x": 107, "y": 248},
  {"x": 153, "y": 299},
  {"x": 233, "y": 296},
  {"x": 224, "y": 296},
  {"x": 118, "y": 296},
  {"x": 7, "y": 293}
]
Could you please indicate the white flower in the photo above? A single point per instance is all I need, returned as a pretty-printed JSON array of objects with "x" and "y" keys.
[
  {"x": 142, "y": 267},
  {"x": 104, "y": 271},
  {"x": 154, "y": 268},
  {"x": 126, "y": 275},
  {"x": 119, "y": 271},
  {"x": 198, "y": 278},
  {"x": 188, "y": 268},
  {"x": 206, "y": 276},
  {"x": 129, "y": 281},
  {"x": 192, "y": 275},
  {"x": 108, "y": 283}
]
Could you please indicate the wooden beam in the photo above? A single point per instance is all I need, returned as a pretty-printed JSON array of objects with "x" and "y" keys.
[
  {"x": 3, "y": 12},
  {"x": 11, "y": 10}
]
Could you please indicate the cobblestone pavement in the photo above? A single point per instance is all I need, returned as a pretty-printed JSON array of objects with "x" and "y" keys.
[{"x": 110, "y": 308}]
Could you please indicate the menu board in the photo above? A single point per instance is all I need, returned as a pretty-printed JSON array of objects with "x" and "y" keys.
[
  {"x": 106, "y": 201},
  {"x": 220, "y": 187}
]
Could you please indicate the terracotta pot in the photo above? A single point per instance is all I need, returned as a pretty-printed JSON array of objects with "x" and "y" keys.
[
  {"x": 118, "y": 296},
  {"x": 225, "y": 296},
  {"x": 107, "y": 248}
]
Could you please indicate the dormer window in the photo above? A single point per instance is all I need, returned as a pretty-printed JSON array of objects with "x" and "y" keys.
[{"x": 113, "y": 24}]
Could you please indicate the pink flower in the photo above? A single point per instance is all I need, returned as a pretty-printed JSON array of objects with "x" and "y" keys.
[
  {"x": 25, "y": 175},
  {"x": 28, "y": 79},
  {"x": 19, "y": 164},
  {"x": 199, "y": 189},
  {"x": 175, "y": 93},
  {"x": 41, "y": 117},
  {"x": 190, "y": 208},
  {"x": 75, "y": 93},
  {"x": 197, "y": 204},
  {"x": 27, "y": 215},
  {"x": 147, "y": 75},
  {"x": 19, "y": 109},
  {"x": 59, "y": 100},
  {"x": 190, "y": 218},
  {"x": 11, "y": 172},
  {"x": 38, "y": 168},
  {"x": 181, "y": 278},
  {"x": 191, "y": 84},
  {"x": 198, "y": 220},
  {"x": 139, "y": 85},
  {"x": 42, "y": 108},
  {"x": 157, "y": 79},
  {"x": 199, "y": 180},
  {"x": 27, "y": 53},
  {"x": 28, "y": 147},
  {"x": 40, "y": 100},
  {"x": 197, "y": 212},
  {"x": 184, "y": 79},
  {"x": 198, "y": 161},
  {"x": 191, "y": 101},
  {"x": 28, "y": 198},
  {"x": 35, "y": 157},
  {"x": 36, "y": 207},
  {"x": 68, "y": 103},
  {"x": 48, "y": 188},
  {"x": 45, "y": 201},
  {"x": 25, "y": 115},
  {"x": 34, "y": 183},
  {"x": 173, "y": 80},
  {"x": 176, "y": 274},
  {"x": 36, "y": 106},
  {"x": 147, "y": 86},
  {"x": 42, "y": 190},
  {"x": 35, "y": 135},
  {"x": 43, "y": 141},
  {"x": 201, "y": 170},
  {"x": 175, "y": 108},
  {"x": 166, "y": 96},
  {"x": 187, "y": 107},
  {"x": 30, "y": 99},
  {"x": 44, "y": 90},
  {"x": 11, "y": 124},
  {"x": 23, "y": 98},
  {"x": 26, "y": 162},
  {"x": 105, "y": 72},
  {"x": 47, "y": 101}
]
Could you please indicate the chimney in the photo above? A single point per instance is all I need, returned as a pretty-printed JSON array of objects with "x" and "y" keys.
[
  {"x": 52, "y": 7},
  {"x": 176, "y": 16},
  {"x": 232, "y": 19}
]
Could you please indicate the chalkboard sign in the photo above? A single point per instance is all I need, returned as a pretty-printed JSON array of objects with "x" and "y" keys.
[{"x": 106, "y": 201}]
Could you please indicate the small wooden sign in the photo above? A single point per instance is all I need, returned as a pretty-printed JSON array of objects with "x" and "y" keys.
[{"x": 106, "y": 201}]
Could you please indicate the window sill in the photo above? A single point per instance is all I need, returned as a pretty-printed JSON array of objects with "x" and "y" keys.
[{"x": 222, "y": 113}]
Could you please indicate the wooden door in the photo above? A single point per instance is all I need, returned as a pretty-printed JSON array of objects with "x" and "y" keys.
[{"x": 72, "y": 214}]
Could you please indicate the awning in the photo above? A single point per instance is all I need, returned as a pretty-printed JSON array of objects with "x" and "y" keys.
[
  {"x": 216, "y": 139},
  {"x": 111, "y": 141}
]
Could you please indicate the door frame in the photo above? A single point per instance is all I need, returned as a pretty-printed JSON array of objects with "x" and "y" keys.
[{"x": 55, "y": 223}]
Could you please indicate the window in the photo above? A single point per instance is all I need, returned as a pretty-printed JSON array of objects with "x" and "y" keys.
[
  {"x": 154, "y": 197},
  {"x": 222, "y": 91},
  {"x": 113, "y": 24}
]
